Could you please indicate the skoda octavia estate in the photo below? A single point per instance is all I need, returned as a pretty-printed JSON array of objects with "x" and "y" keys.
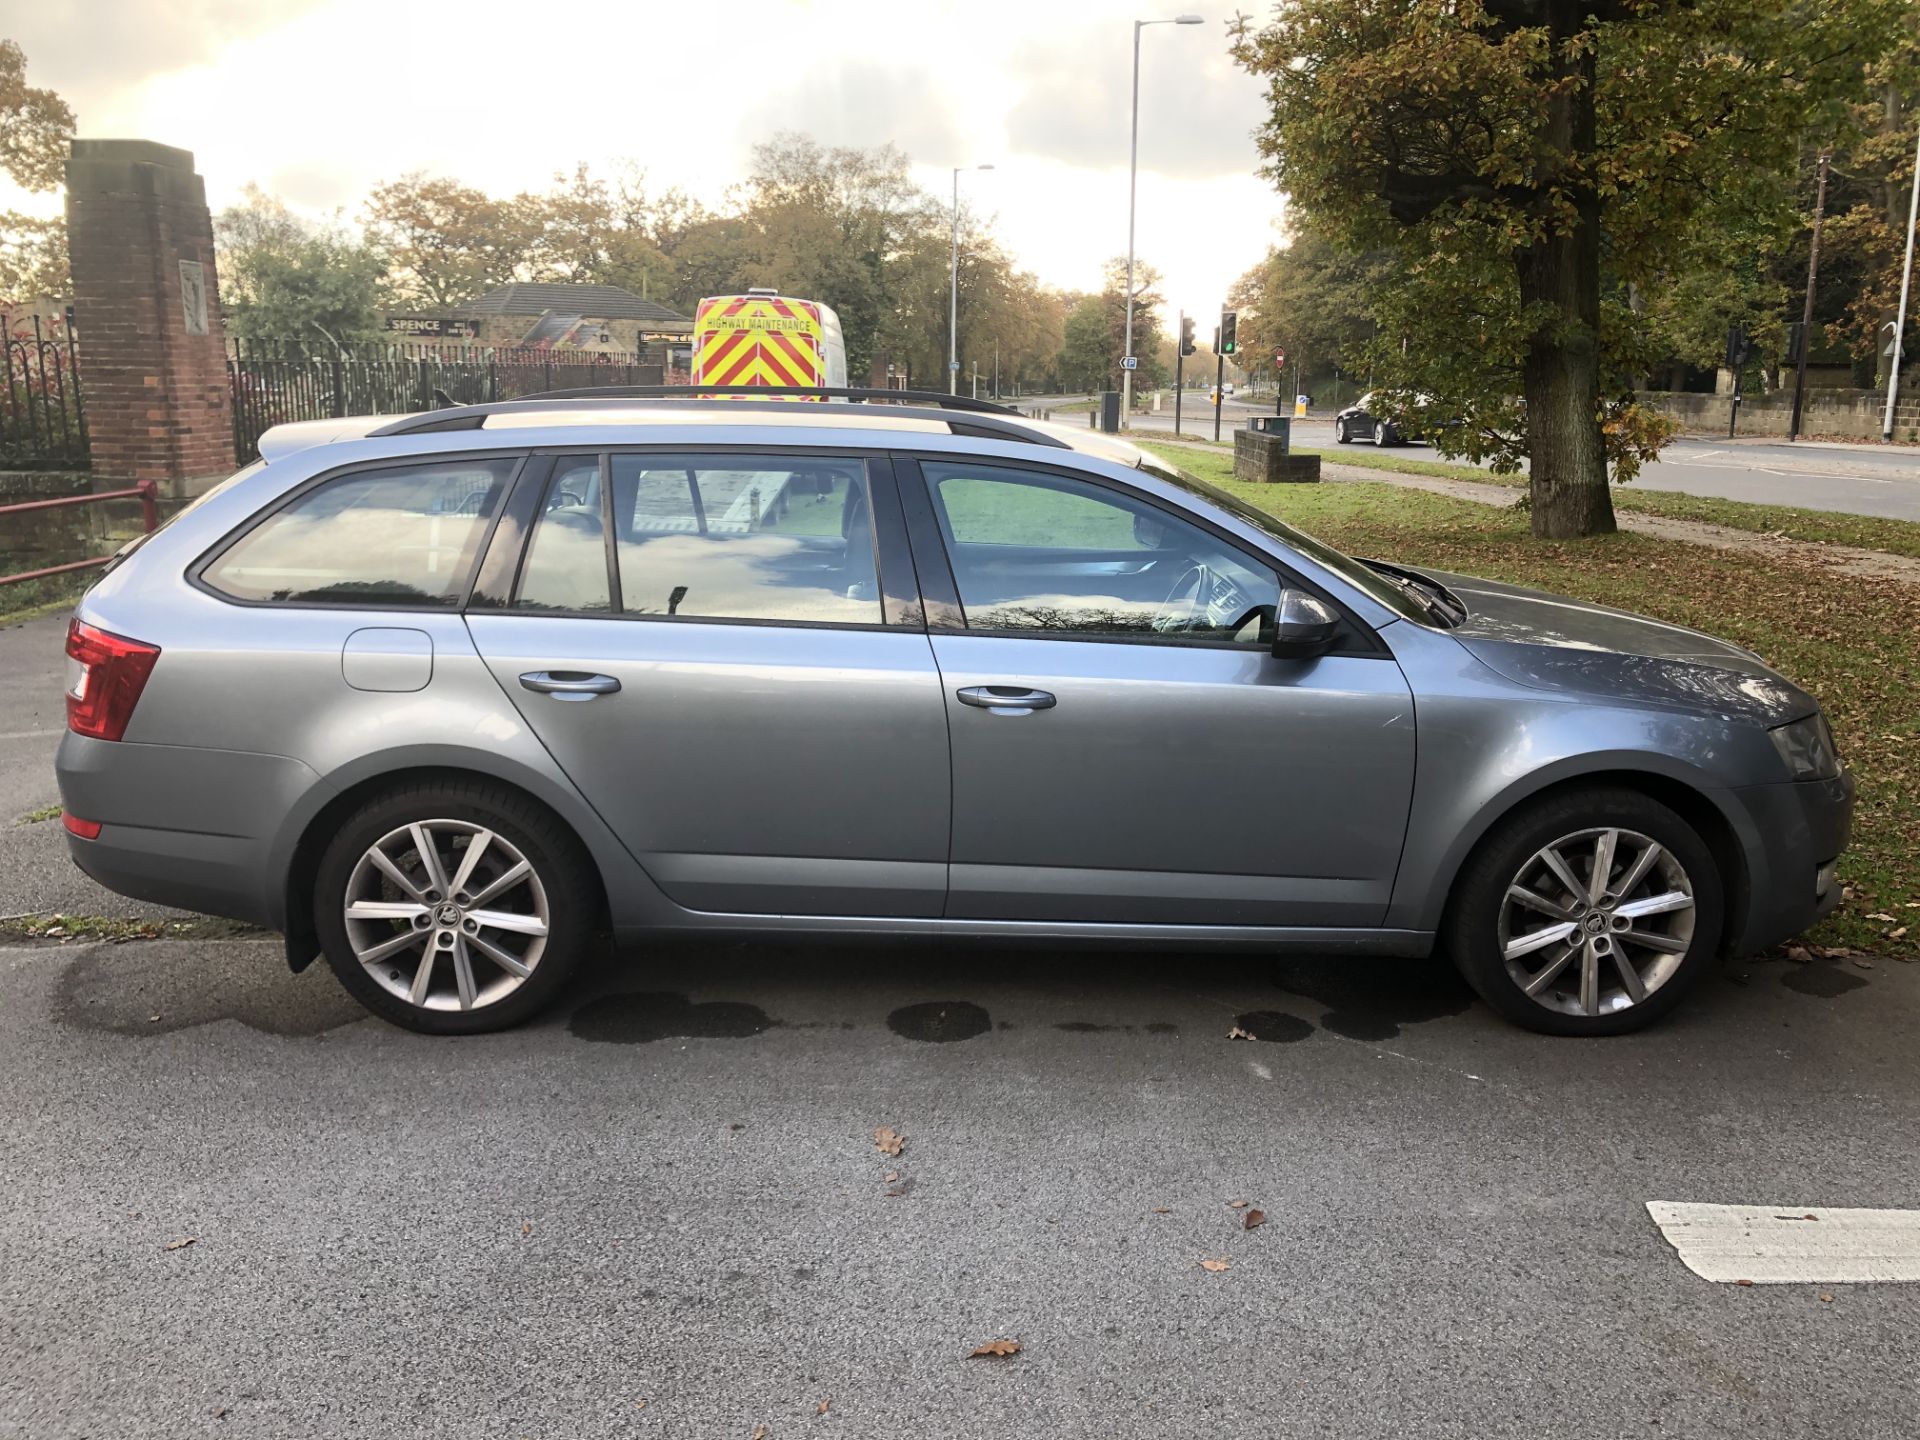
[{"x": 442, "y": 696}]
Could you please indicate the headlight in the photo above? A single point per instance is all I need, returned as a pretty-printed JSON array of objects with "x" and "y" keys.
[{"x": 1807, "y": 747}]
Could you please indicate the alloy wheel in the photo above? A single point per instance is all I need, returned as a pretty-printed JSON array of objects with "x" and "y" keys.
[
  {"x": 1597, "y": 921},
  {"x": 446, "y": 915}
]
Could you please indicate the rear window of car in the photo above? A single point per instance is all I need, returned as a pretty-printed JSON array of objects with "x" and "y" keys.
[{"x": 403, "y": 536}]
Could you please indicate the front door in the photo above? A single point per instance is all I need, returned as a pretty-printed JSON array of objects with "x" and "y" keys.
[
  {"x": 1125, "y": 749},
  {"x": 706, "y": 645}
]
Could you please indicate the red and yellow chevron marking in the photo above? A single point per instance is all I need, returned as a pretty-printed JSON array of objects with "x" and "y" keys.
[{"x": 757, "y": 340}]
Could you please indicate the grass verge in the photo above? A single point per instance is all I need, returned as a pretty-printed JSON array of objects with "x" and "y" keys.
[
  {"x": 113, "y": 929},
  {"x": 1855, "y": 644}
]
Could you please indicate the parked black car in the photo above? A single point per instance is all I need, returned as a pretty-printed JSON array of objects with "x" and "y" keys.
[{"x": 1359, "y": 422}]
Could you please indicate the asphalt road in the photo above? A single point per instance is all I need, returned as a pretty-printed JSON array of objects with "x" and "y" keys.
[
  {"x": 660, "y": 1211},
  {"x": 1814, "y": 475}
]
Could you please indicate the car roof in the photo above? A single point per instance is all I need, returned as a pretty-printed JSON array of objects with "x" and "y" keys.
[{"x": 537, "y": 419}]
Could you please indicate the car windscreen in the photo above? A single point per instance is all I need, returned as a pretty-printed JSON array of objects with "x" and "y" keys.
[{"x": 1356, "y": 573}]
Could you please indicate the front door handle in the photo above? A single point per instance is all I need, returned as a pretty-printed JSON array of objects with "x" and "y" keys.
[
  {"x": 1006, "y": 699},
  {"x": 569, "y": 684}
]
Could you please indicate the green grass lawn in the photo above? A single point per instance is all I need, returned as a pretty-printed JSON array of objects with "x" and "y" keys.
[{"x": 1853, "y": 643}]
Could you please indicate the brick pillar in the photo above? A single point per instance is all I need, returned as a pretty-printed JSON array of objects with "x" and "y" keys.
[{"x": 147, "y": 311}]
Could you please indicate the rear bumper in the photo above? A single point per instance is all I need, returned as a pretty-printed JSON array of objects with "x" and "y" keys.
[
  {"x": 181, "y": 827},
  {"x": 1796, "y": 829}
]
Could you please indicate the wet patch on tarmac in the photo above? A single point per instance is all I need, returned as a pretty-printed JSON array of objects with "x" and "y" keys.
[
  {"x": 156, "y": 987},
  {"x": 641, "y": 1017},
  {"x": 1273, "y": 1026},
  {"x": 940, "y": 1022},
  {"x": 1371, "y": 999},
  {"x": 1821, "y": 979}
]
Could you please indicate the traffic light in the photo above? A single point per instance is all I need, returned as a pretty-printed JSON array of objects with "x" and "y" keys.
[
  {"x": 1227, "y": 345},
  {"x": 1739, "y": 346},
  {"x": 1186, "y": 334}
]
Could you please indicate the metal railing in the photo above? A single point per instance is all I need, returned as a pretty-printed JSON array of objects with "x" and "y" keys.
[
  {"x": 274, "y": 383},
  {"x": 146, "y": 492},
  {"x": 43, "y": 419}
]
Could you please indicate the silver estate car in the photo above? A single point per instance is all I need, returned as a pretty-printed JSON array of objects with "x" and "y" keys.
[{"x": 442, "y": 696}]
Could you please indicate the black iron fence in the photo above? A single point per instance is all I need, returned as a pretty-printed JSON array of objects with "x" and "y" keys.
[
  {"x": 43, "y": 422},
  {"x": 274, "y": 382}
]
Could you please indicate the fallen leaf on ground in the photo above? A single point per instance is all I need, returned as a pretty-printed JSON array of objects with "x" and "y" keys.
[
  {"x": 526, "y": 1227},
  {"x": 1743, "y": 1282},
  {"x": 821, "y": 1408},
  {"x": 886, "y": 1142},
  {"x": 1826, "y": 1299},
  {"x": 1236, "y": 1204},
  {"x": 1899, "y": 934},
  {"x": 1236, "y": 1033},
  {"x": 890, "y": 1176},
  {"x": 759, "y": 1433},
  {"x": 1255, "y": 1217},
  {"x": 181, "y": 1244},
  {"x": 1163, "y": 1210},
  {"x": 1798, "y": 954},
  {"x": 996, "y": 1349},
  {"x": 1863, "y": 964},
  {"x": 1880, "y": 915},
  {"x": 1216, "y": 1266}
]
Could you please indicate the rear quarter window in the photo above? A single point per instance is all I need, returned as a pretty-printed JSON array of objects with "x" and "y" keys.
[{"x": 399, "y": 536}]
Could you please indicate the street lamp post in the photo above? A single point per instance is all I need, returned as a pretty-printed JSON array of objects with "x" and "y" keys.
[
  {"x": 1133, "y": 185},
  {"x": 953, "y": 287},
  {"x": 1900, "y": 323}
]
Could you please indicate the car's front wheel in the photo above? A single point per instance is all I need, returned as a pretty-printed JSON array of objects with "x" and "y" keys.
[
  {"x": 1591, "y": 912},
  {"x": 1340, "y": 432},
  {"x": 454, "y": 907},
  {"x": 1382, "y": 434}
]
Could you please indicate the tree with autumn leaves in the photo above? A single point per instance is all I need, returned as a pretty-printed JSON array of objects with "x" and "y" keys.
[{"x": 1536, "y": 169}]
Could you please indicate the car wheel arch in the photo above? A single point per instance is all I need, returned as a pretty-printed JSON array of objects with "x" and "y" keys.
[
  {"x": 312, "y": 832},
  {"x": 1717, "y": 827}
]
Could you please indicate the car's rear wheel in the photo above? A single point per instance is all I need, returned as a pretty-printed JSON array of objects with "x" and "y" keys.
[
  {"x": 1340, "y": 432},
  {"x": 1589, "y": 913},
  {"x": 454, "y": 908}
]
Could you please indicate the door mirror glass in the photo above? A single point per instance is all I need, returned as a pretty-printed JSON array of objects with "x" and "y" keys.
[{"x": 1304, "y": 626}]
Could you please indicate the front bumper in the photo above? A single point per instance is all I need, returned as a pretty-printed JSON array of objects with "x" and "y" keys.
[
  {"x": 1795, "y": 831},
  {"x": 183, "y": 827}
]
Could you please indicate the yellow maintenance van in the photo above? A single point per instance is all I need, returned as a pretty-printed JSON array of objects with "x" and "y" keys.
[{"x": 766, "y": 338}]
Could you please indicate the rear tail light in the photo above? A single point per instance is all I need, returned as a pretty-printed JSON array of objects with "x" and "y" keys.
[
  {"x": 85, "y": 829},
  {"x": 109, "y": 672}
]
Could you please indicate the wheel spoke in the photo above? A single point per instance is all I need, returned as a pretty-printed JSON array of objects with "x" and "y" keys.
[
  {"x": 508, "y": 920},
  {"x": 374, "y": 954},
  {"x": 385, "y": 910},
  {"x": 502, "y": 883},
  {"x": 476, "y": 847},
  {"x": 505, "y": 959},
  {"x": 1653, "y": 940},
  {"x": 423, "y": 977},
  {"x": 1603, "y": 849},
  {"x": 1520, "y": 895},
  {"x": 1655, "y": 905},
  {"x": 463, "y": 972},
  {"x": 1629, "y": 976},
  {"x": 384, "y": 863},
  {"x": 1563, "y": 872},
  {"x": 1537, "y": 940},
  {"x": 1589, "y": 980},
  {"x": 1552, "y": 972},
  {"x": 1637, "y": 871},
  {"x": 429, "y": 857}
]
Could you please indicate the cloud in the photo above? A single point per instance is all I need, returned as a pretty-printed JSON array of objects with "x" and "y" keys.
[
  {"x": 863, "y": 103},
  {"x": 1197, "y": 109},
  {"x": 89, "y": 50}
]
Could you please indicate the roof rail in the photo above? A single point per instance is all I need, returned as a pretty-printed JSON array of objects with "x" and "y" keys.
[
  {"x": 473, "y": 417},
  {"x": 775, "y": 392}
]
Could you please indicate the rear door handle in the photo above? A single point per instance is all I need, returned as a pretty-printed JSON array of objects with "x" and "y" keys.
[
  {"x": 1006, "y": 699},
  {"x": 569, "y": 684}
]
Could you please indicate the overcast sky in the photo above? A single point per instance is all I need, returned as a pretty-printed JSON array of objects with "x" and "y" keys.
[{"x": 316, "y": 100}]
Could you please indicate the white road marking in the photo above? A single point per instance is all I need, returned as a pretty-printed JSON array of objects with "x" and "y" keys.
[
  {"x": 1791, "y": 1244},
  {"x": 27, "y": 734}
]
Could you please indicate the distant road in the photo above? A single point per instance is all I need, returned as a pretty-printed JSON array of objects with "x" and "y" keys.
[{"x": 1850, "y": 479}]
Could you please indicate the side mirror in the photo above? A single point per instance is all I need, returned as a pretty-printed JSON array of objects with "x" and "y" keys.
[{"x": 1304, "y": 626}]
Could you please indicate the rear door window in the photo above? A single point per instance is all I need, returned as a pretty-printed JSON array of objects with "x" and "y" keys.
[{"x": 397, "y": 537}]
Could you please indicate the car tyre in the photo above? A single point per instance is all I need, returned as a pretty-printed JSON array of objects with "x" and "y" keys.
[
  {"x": 527, "y": 903},
  {"x": 1570, "y": 942},
  {"x": 1340, "y": 432},
  {"x": 1382, "y": 434}
]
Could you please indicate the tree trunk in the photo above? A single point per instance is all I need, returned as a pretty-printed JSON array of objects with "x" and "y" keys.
[{"x": 1560, "y": 286}]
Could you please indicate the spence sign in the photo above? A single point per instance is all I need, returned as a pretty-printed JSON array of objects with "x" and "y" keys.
[{"x": 436, "y": 326}]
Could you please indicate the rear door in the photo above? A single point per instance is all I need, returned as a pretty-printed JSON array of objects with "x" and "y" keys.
[
  {"x": 1125, "y": 747},
  {"x": 724, "y": 650}
]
